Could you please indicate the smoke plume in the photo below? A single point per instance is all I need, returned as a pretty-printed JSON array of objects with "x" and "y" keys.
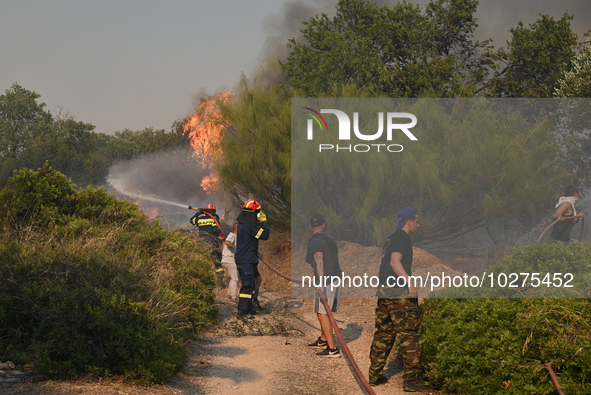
[{"x": 174, "y": 175}]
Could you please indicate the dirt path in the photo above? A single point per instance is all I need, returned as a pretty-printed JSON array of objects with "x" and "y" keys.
[{"x": 222, "y": 363}]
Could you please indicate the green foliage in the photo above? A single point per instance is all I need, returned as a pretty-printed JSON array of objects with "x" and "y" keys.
[
  {"x": 550, "y": 262},
  {"x": 90, "y": 286},
  {"x": 477, "y": 161},
  {"x": 536, "y": 59},
  {"x": 577, "y": 81},
  {"x": 506, "y": 343},
  {"x": 404, "y": 52},
  {"x": 398, "y": 50},
  {"x": 129, "y": 144},
  {"x": 575, "y": 140},
  {"x": 473, "y": 170},
  {"x": 39, "y": 198},
  {"x": 551, "y": 258},
  {"x": 257, "y": 145},
  {"x": 72, "y": 150},
  {"x": 31, "y": 136},
  {"x": 23, "y": 121},
  {"x": 257, "y": 149}
]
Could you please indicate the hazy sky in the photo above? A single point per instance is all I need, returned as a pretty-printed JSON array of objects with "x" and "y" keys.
[{"x": 138, "y": 63}]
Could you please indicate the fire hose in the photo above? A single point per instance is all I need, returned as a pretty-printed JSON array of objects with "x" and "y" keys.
[
  {"x": 210, "y": 216},
  {"x": 552, "y": 224},
  {"x": 346, "y": 348},
  {"x": 336, "y": 328}
]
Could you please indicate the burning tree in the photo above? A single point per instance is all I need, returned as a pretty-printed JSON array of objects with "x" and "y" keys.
[{"x": 205, "y": 131}]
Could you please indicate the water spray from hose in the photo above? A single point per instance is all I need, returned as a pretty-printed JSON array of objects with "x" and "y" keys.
[{"x": 143, "y": 197}]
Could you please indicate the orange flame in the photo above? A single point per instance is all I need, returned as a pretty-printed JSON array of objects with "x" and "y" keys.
[
  {"x": 210, "y": 183},
  {"x": 205, "y": 129},
  {"x": 151, "y": 212}
]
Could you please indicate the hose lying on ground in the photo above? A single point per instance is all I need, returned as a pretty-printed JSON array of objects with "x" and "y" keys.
[{"x": 358, "y": 373}]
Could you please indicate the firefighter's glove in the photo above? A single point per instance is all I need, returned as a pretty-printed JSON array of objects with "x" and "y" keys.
[
  {"x": 262, "y": 217},
  {"x": 219, "y": 270}
]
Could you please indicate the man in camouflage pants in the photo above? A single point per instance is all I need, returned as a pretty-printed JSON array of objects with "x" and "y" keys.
[{"x": 397, "y": 313}]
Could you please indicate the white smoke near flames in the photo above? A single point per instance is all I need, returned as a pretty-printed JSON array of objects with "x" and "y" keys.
[{"x": 162, "y": 183}]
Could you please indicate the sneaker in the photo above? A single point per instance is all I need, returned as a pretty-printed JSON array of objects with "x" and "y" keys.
[
  {"x": 376, "y": 382},
  {"x": 329, "y": 353},
  {"x": 252, "y": 310},
  {"x": 415, "y": 386},
  {"x": 319, "y": 343}
]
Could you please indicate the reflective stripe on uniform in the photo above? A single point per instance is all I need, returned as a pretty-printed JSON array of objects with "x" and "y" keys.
[
  {"x": 259, "y": 233},
  {"x": 206, "y": 222},
  {"x": 245, "y": 296}
]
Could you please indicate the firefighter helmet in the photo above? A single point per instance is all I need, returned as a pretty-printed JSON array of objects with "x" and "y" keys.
[
  {"x": 210, "y": 207},
  {"x": 251, "y": 205}
]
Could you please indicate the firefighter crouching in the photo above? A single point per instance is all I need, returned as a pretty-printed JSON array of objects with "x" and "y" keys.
[
  {"x": 252, "y": 227},
  {"x": 209, "y": 230}
]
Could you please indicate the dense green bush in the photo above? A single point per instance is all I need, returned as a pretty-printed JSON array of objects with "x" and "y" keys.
[
  {"x": 536, "y": 271},
  {"x": 88, "y": 285},
  {"x": 490, "y": 346}
]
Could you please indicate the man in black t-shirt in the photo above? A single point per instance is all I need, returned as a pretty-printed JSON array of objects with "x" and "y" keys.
[
  {"x": 397, "y": 312},
  {"x": 323, "y": 255},
  {"x": 390, "y": 285}
]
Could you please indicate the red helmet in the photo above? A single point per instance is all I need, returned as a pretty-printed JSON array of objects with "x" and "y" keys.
[
  {"x": 251, "y": 205},
  {"x": 210, "y": 207}
]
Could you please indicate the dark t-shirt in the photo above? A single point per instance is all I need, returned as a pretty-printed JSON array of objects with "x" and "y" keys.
[
  {"x": 399, "y": 241},
  {"x": 321, "y": 242}
]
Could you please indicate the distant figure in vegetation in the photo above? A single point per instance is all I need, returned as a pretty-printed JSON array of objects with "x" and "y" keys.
[
  {"x": 229, "y": 263},
  {"x": 397, "y": 312},
  {"x": 323, "y": 255},
  {"x": 252, "y": 227},
  {"x": 207, "y": 221},
  {"x": 567, "y": 214}
]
